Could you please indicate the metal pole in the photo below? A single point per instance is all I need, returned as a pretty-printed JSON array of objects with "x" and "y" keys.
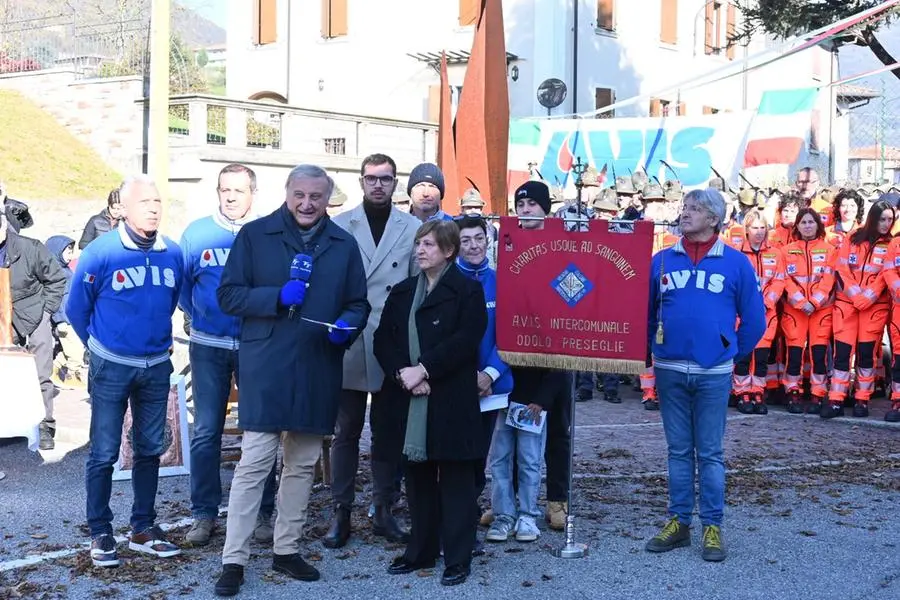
[
  {"x": 158, "y": 127},
  {"x": 571, "y": 549}
]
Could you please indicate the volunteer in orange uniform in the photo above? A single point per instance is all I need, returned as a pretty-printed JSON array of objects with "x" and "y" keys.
[
  {"x": 891, "y": 275},
  {"x": 782, "y": 234},
  {"x": 847, "y": 213},
  {"x": 806, "y": 321},
  {"x": 768, "y": 263},
  {"x": 861, "y": 310}
]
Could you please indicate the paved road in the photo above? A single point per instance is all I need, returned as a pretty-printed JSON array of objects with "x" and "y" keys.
[{"x": 794, "y": 529}]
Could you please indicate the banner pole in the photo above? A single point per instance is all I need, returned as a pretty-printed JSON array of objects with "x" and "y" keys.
[{"x": 571, "y": 549}]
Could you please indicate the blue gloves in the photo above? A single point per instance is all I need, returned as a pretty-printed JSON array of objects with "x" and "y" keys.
[
  {"x": 339, "y": 337},
  {"x": 293, "y": 292}
]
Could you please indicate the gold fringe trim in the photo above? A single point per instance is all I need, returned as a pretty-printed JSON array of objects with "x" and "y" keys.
[{"x": 573, "y": 363}]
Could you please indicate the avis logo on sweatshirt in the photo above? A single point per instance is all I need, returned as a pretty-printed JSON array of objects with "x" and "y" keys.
[
  {"x": 214, "y": 257},
  {"x": 678, "y": 280},
  {"x": 132, "y": 277}
]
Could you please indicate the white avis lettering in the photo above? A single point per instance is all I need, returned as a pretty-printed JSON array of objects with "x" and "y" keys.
[
  {"x": 214, "y": 257},
  {"x": 132, "y": 277},
  {"x": 678, "y": 280}
]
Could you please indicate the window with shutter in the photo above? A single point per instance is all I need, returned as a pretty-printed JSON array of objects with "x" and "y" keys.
[
  {"x": 264, "y": 22},
  {"x": 469, "y": 10},
  {"x": 604, "y": 97},
  {"x": 668, "y": 22},
  {"x": 681, "y": 109},
  {"x": 334, "y": 18},
  {"x": 730, "y": 29},
  {"x": 709, "y": 28},
  {"x": 656, "y": 107},
  {"x": 434, "y": 103},
  {"x": 709, "y": 110},
  {"x": 606, "y": 10}
]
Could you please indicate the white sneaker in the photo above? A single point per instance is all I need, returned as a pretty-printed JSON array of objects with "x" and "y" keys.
[
  {"x": 527, "y": 529},
  {"x": 501, "y": 529}
]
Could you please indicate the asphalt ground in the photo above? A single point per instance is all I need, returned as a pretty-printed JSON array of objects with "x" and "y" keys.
[{"x": 812, "y": 512}]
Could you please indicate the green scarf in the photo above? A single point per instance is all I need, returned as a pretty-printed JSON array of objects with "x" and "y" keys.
[{"x": 414, "y": 445}]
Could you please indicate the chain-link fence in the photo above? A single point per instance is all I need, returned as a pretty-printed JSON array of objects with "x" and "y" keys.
[
  {"x": 87, "y": 45},
  {"x": 871, "y": 105}
]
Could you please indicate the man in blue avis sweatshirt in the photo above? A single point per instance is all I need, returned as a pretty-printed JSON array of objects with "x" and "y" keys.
[
  {"x": 494, "y": 375},
  {"x": 206, "y": 244},
  {"x": 124, "y": 292},
  {"x": 698, "y": 290}
]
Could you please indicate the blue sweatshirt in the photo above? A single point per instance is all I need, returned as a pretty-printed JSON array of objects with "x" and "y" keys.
[
  {"x": 122, "y": 298},
  {"x": 488, "y": 356},
  {"x": 206, "y": 244},
  {"x": 699, "y": 306}
]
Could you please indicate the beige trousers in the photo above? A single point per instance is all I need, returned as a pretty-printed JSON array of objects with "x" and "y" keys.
[{"x": 258, "y": 452}]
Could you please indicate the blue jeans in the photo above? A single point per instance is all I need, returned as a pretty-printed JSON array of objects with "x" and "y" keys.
[
  {"x": 584, "y": 381},
  {"x": 211, "y": 372},
  {"x": 610, "y": 383},
  {"x": 694, "y": 409},
  {"x": 529, "y": 455},
  {"x": 111, "y": 386}
]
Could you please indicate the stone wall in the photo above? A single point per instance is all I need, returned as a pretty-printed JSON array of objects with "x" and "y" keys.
[{"x": 102, "y": 113}]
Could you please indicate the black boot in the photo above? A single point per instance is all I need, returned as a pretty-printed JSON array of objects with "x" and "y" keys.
[
  {"x": 47, "y": 433},
  {"x": 230, "y": 581},
  {"x": 294, "y": 566},
  {"x": 339, "y": 532},
  {"x": 385, "y": 525}
]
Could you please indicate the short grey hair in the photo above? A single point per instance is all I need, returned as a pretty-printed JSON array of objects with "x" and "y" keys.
[
  {"x": 133, "y": 180},
  {"x": 310, "y": 172},
  {"x": 712, "y": 201}
]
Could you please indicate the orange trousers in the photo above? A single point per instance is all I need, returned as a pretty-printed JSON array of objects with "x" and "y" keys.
[
  {"x": 804, "y": 333},
  {"x": 894, "y": 334},
  {"x": 857, "y": 332}
]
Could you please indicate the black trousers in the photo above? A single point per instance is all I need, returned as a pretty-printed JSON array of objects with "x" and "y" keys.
[
  {"x": 345, "y": 454},
  {"x": 488, "y": 424},
  {"x": 443, "y": 510},
  {"x": 559, "y": 441}
]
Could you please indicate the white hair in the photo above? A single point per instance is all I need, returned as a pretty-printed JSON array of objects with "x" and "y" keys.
[
  {"x": 311, "y": 172},
  {"x": 712, "y": 200},
  {"x": 139, "y": 179}
]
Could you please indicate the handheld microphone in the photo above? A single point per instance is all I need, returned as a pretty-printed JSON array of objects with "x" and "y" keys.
[{"x": 301, "y": 270}]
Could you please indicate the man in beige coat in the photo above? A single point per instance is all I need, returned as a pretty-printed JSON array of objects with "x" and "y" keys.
[{"x": 385, "y": 236}]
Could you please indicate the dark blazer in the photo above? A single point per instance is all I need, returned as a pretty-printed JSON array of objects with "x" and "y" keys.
[
  {"x": 290, "y": 373},
  {"x": 451, "y": 323}
]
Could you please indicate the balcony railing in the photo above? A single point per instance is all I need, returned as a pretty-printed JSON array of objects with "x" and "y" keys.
[{"x": 199, "y": 120}]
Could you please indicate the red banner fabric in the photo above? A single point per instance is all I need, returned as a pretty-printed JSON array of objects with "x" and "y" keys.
[{"x": 573, "y": 300}]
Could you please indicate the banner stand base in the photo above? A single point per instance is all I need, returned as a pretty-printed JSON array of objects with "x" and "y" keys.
[{"x": 571, "y": 551}]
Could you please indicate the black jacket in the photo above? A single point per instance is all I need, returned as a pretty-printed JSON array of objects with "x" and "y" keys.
[
  {"x": 451, "y": 323},
  {"x": 37, "y": 282},
  {"x": 533, "y": 385},
  {"x": 17, "y": 214},
  {"x": 96, "y": 226}
]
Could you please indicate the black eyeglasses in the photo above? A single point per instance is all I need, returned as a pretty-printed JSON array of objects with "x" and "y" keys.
[{"x": 384, "y": 180}]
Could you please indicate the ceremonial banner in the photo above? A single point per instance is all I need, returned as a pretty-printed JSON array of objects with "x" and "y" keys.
[{"x": 573, "y": 300}]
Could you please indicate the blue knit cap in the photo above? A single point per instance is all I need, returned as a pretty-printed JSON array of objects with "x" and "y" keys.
[{"x": 429, "y": 172}]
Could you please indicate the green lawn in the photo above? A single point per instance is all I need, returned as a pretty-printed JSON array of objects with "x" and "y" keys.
[{"x": 40, "y": 159}]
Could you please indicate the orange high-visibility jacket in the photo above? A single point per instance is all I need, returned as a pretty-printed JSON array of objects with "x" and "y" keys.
[
  {"x": 891, "y": 274},
  {"x": 835, "y": 235},
  {"x": 859, "y": 267},
  {"x": 664, "y": 241},
  {"x": 734, "y": 236},
  {"x": 809, "y": 272},
  {"x": 768, "y": 262},
  {"x": 823, "y": 207},
  {"x": 780, "y": 236}
]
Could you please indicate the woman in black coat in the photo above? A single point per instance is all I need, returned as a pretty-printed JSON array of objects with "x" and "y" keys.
[{"x": 427, "y": 344}]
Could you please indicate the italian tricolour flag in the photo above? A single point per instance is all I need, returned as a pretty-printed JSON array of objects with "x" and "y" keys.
[
  {"x": 524, "y": 147},
  {"x": 780, "y": 128}
]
